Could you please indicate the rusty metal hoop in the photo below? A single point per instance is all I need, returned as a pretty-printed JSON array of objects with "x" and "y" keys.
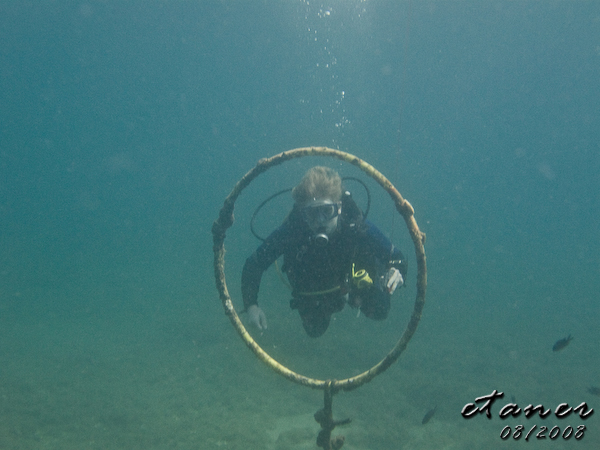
[{"x": 225, "y": 220}]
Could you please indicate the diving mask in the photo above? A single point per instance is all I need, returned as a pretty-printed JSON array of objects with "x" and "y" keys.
[
  {"x": 321, "y": 217},
  {"x": 320, "y": 212}
]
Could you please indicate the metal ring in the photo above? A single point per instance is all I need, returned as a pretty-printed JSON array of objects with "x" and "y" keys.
[{"x": 225, "y": 220}]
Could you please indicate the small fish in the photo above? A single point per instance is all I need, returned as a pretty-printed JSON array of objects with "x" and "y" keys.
[
  {"x": 427, "y": 417},
  {"x": 562, "y": 343},
  {"x": 594, "y": 390}
]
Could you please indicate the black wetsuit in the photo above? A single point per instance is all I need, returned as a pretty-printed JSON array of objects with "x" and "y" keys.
[{"x": 321, "y": 276}]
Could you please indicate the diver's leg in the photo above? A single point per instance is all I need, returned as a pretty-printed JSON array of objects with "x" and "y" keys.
[
  {"x": 315, "y": 322},
  {"x": 316, "y": 313},
  {"x": 374, "y": 303}
]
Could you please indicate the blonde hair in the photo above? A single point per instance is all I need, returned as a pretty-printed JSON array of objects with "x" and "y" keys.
[{"x": 318, "y": 183}]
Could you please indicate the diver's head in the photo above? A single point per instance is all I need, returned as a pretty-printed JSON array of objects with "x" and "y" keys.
[
  {"x": 318, "y": 197},
  {"x": 321, "y": 215}
]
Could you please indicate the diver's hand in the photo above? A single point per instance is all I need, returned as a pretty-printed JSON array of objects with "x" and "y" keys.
[
  {"x": 391, "y": 280},
  {"x": 257, "y": 317}
]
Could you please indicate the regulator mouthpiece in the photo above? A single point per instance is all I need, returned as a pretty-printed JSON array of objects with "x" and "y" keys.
[{"x": 321, "y": 239}]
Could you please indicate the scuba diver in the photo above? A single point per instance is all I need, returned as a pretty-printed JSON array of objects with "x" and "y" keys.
[{"x": 331, "y": 256}]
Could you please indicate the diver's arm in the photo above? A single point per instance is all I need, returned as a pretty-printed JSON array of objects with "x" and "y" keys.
[
  {"x": 251, "y": 276},
  {"x": 259, "y": 261},
  {"x": 252, "y": 272},
  {"x": 385, "y": 251},
  {"x": 391, "y": 280},
  {"x": 257, "y": 317}
]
